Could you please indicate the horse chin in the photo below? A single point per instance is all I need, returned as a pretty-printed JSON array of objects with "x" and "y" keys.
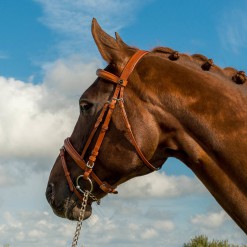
[{"x": 72, "y": 211}]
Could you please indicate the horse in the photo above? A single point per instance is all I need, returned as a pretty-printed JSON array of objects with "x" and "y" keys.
[{"x": 145, "y": 107}]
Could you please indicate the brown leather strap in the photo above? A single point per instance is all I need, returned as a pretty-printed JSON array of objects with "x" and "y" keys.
[
  {"x": 124, "y": 77},
  {"x": 110, "y": 77},
  {"x": 66, "y": 172},
  {"x": 121, "y": 82},
  {"x": 107, "y": 113},
  {"x": 129, "y": 67},
  {"x": 67, "y": 175},
  {"x": 82, "y": 164},
  {"x": 132, "y": 138},
  {"x": 96, "y": 125},
  {"x": 104, "y": 127},
  {"x": 74, "y": 155}
]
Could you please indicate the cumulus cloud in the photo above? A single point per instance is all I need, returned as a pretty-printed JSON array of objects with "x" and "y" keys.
[
  {"x": 210, "y": 220},
  {"x": 36, "y": 118},
  {"x": 41, "y": 228},
  {"x": 218, "y": 225},
  {"x": 70, "y": 76},
  {"x": 26, "y": 128},
  {"x": 160, "y": 185},
  {"x": 27, "y": 229},
  {"x": 165, "y": 225},
  {"x": 149, "y": 233}
]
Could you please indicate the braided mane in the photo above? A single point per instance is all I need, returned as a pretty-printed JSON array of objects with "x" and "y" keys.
[{"x": 203, "y": 63}]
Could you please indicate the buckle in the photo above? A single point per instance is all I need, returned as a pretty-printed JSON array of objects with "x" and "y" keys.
[
  {"x": 108, "y": 188},
  {"x": 90, "y": 166}
]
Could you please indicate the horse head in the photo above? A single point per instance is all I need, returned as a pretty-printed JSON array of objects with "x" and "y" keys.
[{"x": 112, "y": 159}]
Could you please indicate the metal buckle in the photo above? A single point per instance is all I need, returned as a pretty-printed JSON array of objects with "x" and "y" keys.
[
  {"x": 121, "y": 81},
  {"x": 117, "y": 100},
  {"x": 88, "y": 165},
  {"x": 78, "y": 187}
]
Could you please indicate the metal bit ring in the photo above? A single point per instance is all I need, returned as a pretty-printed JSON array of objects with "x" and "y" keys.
[{"x": 78, "y": 187}]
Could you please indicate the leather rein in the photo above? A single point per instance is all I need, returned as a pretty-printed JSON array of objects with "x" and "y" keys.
[{"x": 105, "y": 114}]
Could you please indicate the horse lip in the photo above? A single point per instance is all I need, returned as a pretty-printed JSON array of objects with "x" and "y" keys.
[
  {"x": 68, "y": 206},
  {"x": 72, "y": 210},
  {"x": 75, "y": 213},
  {"x": 50, "y": 193}
]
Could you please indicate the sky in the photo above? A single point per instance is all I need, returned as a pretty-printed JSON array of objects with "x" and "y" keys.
[{"x": 47, "y": 59}]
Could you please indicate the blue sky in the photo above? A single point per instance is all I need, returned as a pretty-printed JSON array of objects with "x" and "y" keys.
[
  {"x": 188, "y": 26},
  {"x": 47, "y": 59}
]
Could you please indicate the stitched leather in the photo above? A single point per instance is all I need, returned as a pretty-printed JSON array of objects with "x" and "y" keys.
[
  {"x": 110, "y": 77},
  {"x": 133, "y": 140},
  {"x": 99, "y": 120},
  {"x": 82, "y": 164},
  {"x": 106, "y": 112}
]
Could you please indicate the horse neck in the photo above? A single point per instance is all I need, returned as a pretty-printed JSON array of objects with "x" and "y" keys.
[{"x": 206, "y": 117}]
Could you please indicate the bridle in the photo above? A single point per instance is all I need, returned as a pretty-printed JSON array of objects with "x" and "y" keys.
[{"x": 103, "y": 120}]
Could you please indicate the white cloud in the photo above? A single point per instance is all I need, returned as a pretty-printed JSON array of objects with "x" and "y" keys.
[
  {"x": 218, "y": 225},
  {"x": 26, "y": 127},
  {"x": 210, "y": 220},
  {"x": 11, "y": 221},
  {"x": 164, "y": 225},
  {"x": 142, "y": 222},
  {"x": 30, "y": 231},
  {"x": 36, "y": 118},
  {"x": 72, "y": 19},
  {"x": 70, "y": 76},
  {"x": 40, "y": 228},
  {"x": 160, "y": 185},
  {"x": 233, "y": 29},
  {"x": 20, "y": 236},
  {"x": 35, "y": 234},
  {"x": 149, "y": 233}
]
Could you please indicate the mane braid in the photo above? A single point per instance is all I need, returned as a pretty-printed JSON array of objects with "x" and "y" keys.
[{"x": 206, "y": 64}]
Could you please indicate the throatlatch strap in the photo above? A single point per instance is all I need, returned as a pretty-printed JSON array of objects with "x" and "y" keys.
[{"x": 105, "y": 114}]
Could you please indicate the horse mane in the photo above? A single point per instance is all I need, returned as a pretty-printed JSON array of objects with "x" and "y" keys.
[{"x": 203, "y": 63}]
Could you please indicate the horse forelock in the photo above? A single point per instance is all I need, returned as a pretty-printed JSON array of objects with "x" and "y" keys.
[{"x": 202, "y": 62}]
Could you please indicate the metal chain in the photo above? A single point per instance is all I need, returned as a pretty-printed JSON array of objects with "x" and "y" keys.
[
  {"x": 81, "y": 217},
  {"x": 94, "y": 198}
]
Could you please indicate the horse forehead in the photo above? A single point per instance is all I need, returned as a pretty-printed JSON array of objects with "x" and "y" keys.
[{"x": 97, "y": 91}]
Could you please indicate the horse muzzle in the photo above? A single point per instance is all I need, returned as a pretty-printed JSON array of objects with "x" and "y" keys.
[{"x": 66, "y": 208}]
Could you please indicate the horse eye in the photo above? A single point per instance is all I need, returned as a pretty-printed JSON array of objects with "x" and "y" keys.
[{"x": 85, "y": 106}]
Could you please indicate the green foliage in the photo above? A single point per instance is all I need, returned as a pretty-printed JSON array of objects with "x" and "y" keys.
[{"x": 202, "y": 241}]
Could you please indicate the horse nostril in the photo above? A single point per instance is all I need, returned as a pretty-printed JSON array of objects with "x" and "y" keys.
[{"x": 50, "y": 193}]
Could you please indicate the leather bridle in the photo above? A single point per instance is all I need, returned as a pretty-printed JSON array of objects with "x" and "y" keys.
[{"x": 105, "y": 114}]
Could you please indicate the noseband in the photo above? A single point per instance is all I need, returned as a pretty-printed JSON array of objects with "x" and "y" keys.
[{"x": 106, "y": 114}]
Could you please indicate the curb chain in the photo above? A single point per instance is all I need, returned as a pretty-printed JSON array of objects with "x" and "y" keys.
[{"x": 81, "y": 217}]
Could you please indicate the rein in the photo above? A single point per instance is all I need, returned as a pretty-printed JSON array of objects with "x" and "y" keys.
[{"x": 106, "y": 114}]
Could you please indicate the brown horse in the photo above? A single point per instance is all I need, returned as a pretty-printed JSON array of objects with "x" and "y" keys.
[{"x": 174, "y": 105}]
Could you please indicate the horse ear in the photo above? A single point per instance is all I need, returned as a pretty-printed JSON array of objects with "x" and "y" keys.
[
  {"x": 113, "y": 51},
  {"x": 119, "y": 40}
]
